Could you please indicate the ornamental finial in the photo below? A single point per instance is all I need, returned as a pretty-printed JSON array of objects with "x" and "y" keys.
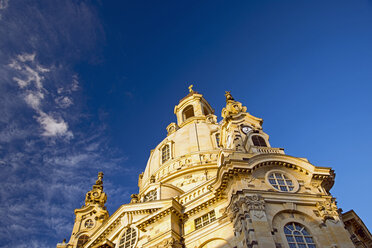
[
  {"x": 190, "y": 88},
  {"x": 96, "y": 195},
  {"x": 100, "y": 177},
  {"x": 228, "y": 96}
]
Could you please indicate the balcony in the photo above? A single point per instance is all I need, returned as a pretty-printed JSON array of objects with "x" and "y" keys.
[{"x": 264, "y": 150}]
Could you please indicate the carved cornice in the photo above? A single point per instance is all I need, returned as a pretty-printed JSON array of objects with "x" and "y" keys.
[
  {"x": 231, "y": 165},
  {"x": 327, "y": 209}
]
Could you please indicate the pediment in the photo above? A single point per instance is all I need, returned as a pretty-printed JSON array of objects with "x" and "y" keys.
[{"x": 113, "y": 224}]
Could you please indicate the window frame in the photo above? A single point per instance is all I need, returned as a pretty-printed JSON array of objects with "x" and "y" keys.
[
  {"x": 303, "y": 236},
  {"x": 168, "y": 153},
  {"x": 259, "y": 137},
  {"x": 295, "y": 185},
  {"x": 90, "y": 221},
  {"x": 186, "y": 109},
  {"x": 123, "y": 233},
  {"x": 205, "y": 220},
  {"x": 82, "y": 245},
  {"x": 148, "y": 193}
]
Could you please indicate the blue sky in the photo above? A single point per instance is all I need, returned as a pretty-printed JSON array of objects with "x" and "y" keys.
[{"x": 91, "y": 85}]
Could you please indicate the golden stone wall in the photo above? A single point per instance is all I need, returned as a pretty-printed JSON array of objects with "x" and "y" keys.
[{"x": 210, "y": 185}]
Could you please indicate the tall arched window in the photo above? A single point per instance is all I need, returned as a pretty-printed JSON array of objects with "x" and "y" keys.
[
  {"x": 188, "y": 112},
  {"x": 82, "y": 240},
  {"x": 297, "y": 236},
  {"x": 165, "y": 153},
  {"x": 128, "y": 239},
  {"x": 258, "y": 140}
]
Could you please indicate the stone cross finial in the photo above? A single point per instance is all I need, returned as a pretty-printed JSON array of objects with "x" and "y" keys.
[
  {"x": 190, "y": 88},
  {"x": 228, "y": 96}
]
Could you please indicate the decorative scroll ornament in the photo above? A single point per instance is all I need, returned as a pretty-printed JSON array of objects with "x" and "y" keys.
[
  {"x": 247, "y": 204},
  {"x": 232, "y": 107},
  {"x": 96, "y": 195},
  {"x": 255, "y": 202},
  {"x": 327, "y": 209}
]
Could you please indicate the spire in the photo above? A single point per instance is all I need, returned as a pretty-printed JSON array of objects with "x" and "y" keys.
[
  {"x": 96, "y": 196},
  {"x": 232, "y": 107},
  {"x": 228, "y": 96}
]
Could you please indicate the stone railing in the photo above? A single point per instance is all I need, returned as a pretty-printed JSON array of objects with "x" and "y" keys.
[
  {"x": 263, "y": 150},
  {"x": 202, "y": 189}
]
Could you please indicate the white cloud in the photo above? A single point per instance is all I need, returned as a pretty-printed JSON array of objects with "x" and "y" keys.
[
  {"x": 30, "y": 79},
  {"x": 53, "y": 127},
  {"x": 75, "y": 83},
  {"x": 4, "y": 4},
  {"x": 33, "y": 99},
  {"x": 26, "y": 57},
  {"x": 63, "y": 101}
]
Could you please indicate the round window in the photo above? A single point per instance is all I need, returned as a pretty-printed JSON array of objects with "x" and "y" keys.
[{"x": 282, "y": 181}]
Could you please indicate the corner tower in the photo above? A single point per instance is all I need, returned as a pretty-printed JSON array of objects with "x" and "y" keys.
[{"x": 89, "y": 217}]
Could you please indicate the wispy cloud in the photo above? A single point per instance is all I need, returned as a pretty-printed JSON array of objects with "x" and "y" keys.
[
  {"x": 30, "y": 77},
  {"x": 50, "y": 148}
]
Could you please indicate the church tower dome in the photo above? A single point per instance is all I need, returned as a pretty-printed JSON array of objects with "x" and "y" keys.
[{"x": 191, "y": 145}]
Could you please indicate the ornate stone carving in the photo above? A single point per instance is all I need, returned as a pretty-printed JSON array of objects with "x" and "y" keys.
[
  {"x": 96, "y": 195},
  {"x": 255, "y": 202},
  {"x": 327, "y": 209},
  {"x": 232, "y": 107},
  {"x": 171, "y": 128},
  {"x": 134, "y": 198}
]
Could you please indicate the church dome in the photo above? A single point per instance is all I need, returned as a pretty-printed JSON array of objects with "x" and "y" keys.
[{"x": 189, "y": 152}]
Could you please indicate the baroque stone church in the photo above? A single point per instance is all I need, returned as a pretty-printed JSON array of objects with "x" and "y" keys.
[{"x": 212, "y": 184}]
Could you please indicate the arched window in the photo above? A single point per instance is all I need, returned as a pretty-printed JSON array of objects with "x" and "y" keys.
[
  {"x": 258, "y": 140},
  {"x": 82, "y": 240},
  {"x": 165, "y": 153},
  {"x": 128, "y": 239},
  {"x": 297, "y": 236},
  {"x": 188, "y": 112},
  {"x": 151, "y": 196}
]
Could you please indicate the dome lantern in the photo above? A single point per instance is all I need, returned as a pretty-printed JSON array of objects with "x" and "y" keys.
[{"x": 192, "y": 107}]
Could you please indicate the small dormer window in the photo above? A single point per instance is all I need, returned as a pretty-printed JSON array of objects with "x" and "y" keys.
[
  {"x": 165, "y": 153},
  {"x": 188, "y": 112},
  {"x": 151, "y": 196},
  {"x": 258, "y": 141}
]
